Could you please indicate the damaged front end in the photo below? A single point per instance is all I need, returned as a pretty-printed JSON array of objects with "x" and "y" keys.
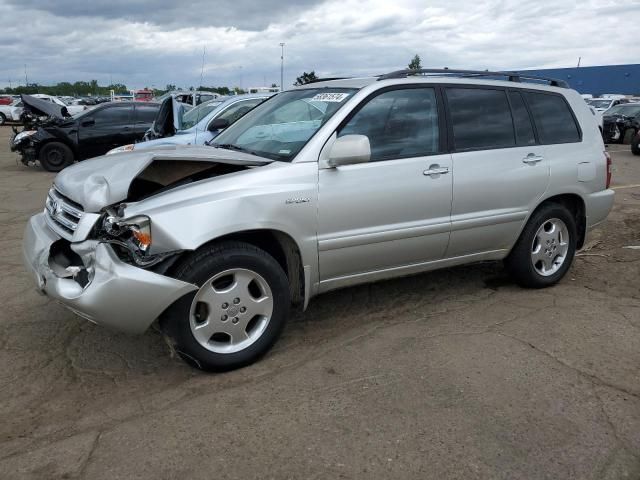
[
  {"x": 87, "y": 252},
  {"x": 36, "y": 115}
]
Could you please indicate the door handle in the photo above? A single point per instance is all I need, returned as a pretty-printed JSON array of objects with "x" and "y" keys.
[
  {"x": 532, "y": 159},
  {"x": 436, "y": 169}
]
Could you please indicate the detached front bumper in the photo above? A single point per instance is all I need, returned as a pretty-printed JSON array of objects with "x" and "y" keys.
[{"x": 117, "y": 295}]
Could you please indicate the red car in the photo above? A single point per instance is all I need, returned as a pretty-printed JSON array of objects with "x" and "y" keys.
[
  {"x": 6, "y": 100},
  {"x": 143, "y": 95}
]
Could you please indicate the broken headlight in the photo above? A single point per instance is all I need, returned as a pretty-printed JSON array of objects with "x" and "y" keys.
[
  {"x": 22, "y": 135},
  {"x": 134, "y": 231}
]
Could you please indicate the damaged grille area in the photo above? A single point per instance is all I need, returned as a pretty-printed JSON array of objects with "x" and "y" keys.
[{"x": 62, "y": 214}]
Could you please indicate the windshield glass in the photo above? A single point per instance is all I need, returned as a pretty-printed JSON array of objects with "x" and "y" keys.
[
  {"x": 627, "y": 110},
  {"x": 281, "y": 126},
  {"x": 196, "y": 114},
  {"x": 599, "y": 103}
]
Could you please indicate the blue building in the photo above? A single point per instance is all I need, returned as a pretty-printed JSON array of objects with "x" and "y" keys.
[{"x": 624, "y": 79}]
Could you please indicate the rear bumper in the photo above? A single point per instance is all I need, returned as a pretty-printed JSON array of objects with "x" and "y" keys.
[
  {"x": 598, "y": 205},
  {"x": 117, "y": 295}
]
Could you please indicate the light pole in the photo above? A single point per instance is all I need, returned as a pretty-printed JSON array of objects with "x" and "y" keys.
[{"x": 282, "y": 66}]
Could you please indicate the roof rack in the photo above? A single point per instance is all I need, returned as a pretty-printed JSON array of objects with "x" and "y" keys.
[
  {"x": 326, "y": 79},
  {"x": 510, "y": 76}
]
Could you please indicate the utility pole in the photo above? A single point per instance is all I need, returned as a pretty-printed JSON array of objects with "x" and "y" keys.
[
  {"x": 579, "y": 58},
  {"x": 26, "y": 80},
  {"x": 282, "y": 66}
]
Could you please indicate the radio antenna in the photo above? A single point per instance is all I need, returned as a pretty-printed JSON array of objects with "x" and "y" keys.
[{"x": 204, "y": 49}]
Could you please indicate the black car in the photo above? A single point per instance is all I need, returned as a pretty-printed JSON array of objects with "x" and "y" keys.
[
  {"x": 621, "y": 123},
  {"x": 57, "y": 139}
]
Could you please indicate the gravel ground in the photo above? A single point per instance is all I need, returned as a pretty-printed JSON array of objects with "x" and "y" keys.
[{"x": 451, "y": 374}]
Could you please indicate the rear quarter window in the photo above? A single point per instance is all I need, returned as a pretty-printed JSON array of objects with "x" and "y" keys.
[{"x": 553, "y": 118}]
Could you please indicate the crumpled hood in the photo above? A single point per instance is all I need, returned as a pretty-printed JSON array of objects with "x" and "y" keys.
[
  {"x": 105, "y": 180},
  {"x": 43, "y": 107}
]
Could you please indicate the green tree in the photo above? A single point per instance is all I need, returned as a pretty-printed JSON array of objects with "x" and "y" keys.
[
  {"x": 306, "y": 78},
  {"x": 415, "y": 63}
]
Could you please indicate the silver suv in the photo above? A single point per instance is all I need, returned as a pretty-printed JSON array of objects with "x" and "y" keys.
[{"x": 325, "y": 186}]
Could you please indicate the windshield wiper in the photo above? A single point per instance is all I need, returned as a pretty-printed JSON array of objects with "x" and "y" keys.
[{"x": 231, "y": 146}]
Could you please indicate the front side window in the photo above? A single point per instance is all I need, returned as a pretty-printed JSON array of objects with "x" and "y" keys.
[
  {"x": 193, "y": 116},
  {"x": 280, "y": 127},
  {"x": 399, "y": 124},
  {"x": 553, "y": 119},
  {"x": 146, "y": 113},
  {"x": 481, "y": 118},
  {"x": 239, "y": 109}
]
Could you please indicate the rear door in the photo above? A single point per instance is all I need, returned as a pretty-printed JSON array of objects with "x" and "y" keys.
[
  {"x": 392, "y": 212},
  {"x": 500, "y": 169},
  {"x": 104, "y": 129}
]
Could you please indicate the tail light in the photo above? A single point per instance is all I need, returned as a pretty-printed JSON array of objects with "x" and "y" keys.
[{"x": 609, "y": 165}]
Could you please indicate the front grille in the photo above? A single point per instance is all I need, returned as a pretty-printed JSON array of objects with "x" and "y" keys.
[{"x": 62, "y": 214}]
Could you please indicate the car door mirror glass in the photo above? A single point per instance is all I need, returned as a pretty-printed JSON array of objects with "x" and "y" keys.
[{"x": 350, "y": 149}]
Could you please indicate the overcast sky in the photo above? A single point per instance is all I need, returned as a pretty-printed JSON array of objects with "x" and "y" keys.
[{"x": 155, "y": 42}]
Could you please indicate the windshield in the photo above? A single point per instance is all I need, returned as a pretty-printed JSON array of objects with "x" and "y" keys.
[
  {"x": 627, "y": 110},
  {"x": 196, "y": 114},
  {"x": 604, "y": 103},
  {"x": 281, "y": 126}
]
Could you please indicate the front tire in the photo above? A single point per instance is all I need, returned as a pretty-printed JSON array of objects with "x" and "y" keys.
[
  {"x": 546, "y": 247},
  {"x": 238, "y": 312},
  {"x": 55, "y": 156},
  {"x": 3, "y": 119}
]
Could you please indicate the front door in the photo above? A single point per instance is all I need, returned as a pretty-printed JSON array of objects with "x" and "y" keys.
[{"x": 394, "y": 211}]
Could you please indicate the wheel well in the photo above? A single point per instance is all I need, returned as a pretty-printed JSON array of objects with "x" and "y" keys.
[
  {"x": 283, "y": 249},
  {"x": 575, "y": 205}
]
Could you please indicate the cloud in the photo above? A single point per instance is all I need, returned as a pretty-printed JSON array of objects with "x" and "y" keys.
[{"x": 143, "y": 43}]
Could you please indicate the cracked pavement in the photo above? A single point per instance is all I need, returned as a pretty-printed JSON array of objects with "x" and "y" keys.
[{"x": 454, "y": 374}]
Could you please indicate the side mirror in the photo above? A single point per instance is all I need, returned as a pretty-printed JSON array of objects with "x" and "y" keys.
[
  {"x": 218, "y": 124},
  {"x": 349, "y": 149},
  {"x": 87, "y": 122}
]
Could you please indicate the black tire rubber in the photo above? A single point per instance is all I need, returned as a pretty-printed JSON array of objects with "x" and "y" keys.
[
  {"x": 201, "y": 266},
  {"x": 55, "y": 156},
  {"x": 627, "y": 136},
  {"x": 3, "y": 119},
  {"x": 518, "y": 262},
  {"x": 635, "y": 144}
]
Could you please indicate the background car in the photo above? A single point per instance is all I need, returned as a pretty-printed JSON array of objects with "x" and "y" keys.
[
  {"x": 188, "y": 97},
  {"x": 196, "y": 127},
  {"x": 602, "y": 104},
  {"x": 621, "y": 123},
  {"x": 10, "y": 112},
  {"x": 59, "y": 141}
]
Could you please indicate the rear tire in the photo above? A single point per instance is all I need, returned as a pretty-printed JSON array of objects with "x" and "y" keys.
[
  {"x": 546, "y": 247},
  {"x": 627, "y": 136},
  {"x": 55, "y": 156},
  {"x": 237, "y": 314},
  {"x": 635, "y": 144},
  {"x": 3, "y": 119}
]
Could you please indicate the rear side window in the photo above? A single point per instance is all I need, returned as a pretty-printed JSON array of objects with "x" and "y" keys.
[
  {"x": 554, "y": 121},
  {"x": 481, "y": 118},
  {"x": 399, "y": 124},
  {"x": 521, "y": 120}
]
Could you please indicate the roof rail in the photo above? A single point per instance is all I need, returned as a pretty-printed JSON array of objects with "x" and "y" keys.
[
  {"x": 510, "y": 76},
  {"x": 326, "y": 79}
]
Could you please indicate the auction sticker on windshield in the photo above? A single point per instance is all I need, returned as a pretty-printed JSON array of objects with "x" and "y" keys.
[{"x": 330, "y": 97}]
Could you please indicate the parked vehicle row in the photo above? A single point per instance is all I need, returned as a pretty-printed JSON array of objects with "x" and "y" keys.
[
  {"x": 197, "y": 126},
  {"x": 324, "y": 186},
  {"x": 621, "y": 123},
  {"x": 57, "y": 139}
]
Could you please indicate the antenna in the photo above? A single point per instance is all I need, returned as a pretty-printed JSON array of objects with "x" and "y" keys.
[{"x": 204, "y": 50}]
